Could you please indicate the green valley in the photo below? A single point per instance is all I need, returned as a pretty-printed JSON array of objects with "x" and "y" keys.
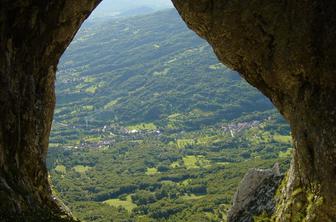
[{"x": 149, "y": 126}]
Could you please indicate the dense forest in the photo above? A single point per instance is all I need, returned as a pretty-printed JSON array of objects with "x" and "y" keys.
[{"x": 149, "y": 126}]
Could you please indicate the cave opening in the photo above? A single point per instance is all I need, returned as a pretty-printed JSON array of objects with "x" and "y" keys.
[
  {"x": 121, "y": 96},
  {"x": 285, "y": 50}
]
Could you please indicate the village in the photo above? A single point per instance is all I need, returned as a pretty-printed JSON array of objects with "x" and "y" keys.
[{"x": 108, "y": 135}]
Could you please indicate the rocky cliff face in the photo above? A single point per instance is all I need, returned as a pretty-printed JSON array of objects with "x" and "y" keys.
[
  {"x": 284, "y": 48},
  {"x": 33, "y": 35},
  {"x": 255, "y": 195}
]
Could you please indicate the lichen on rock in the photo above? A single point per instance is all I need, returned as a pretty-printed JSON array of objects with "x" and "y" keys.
[
  {"x": 284, "y": 48},
  {"x": 287, "y": 50},
  {"x": 255, "y": 195},
  {"x": 33, "y": 36}
]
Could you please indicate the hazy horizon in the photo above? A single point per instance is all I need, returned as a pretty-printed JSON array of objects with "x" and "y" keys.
[{"x": 117, "y": 7}]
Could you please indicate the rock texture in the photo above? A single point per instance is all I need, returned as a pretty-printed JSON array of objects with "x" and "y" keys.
[
  {"x": 286, "y": 50},
  {"x": 33, "y": 35},
  {"x": 255, "y": 195}
]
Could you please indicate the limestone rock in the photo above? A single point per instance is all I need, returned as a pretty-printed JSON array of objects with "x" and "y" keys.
[
  {"x": 255, "y": 195},
  {"x": 33, "y": 36},
  {"x": 284, "y": 48},
  {"x": 287, "y": 50}
]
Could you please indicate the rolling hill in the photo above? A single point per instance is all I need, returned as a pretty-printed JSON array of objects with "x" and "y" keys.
[
  {"x": 148, "y": 69},
  {"x": 149, "y": 126}
]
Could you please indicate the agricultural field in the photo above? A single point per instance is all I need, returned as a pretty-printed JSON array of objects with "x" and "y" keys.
[{"x": 149, "y": 126}]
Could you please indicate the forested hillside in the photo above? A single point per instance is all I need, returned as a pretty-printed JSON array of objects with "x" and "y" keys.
[
  {"x": 148, "y": 69},
  {"x": 149, "y": 126}
]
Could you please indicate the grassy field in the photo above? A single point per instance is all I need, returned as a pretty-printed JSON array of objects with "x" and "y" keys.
[
  {"x": 288, "y": 153},
  {"x": 182, "y": 143},
  {"x": 190, "y": 162},
  {"x": 60, "y": 169},
  {"x": 142, "y": 126},
  {"x": 151, "y": 171},
  {"x": 111, "y": 104},
  {"x": 127, "y": 204},
  {"x": 282, "y": 138},
  {"x": 91, "y": 89},
  {"x": 175, "y": 164},
  {"x": 192, "y": 197},
  {"x": 81, "y": 168}
]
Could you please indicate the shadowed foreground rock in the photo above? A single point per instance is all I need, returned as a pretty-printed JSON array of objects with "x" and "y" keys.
[
  {"x": 33, "y": 36},
  {"x": 255, "y": 195},
  {"x": 284, "y": 48}
]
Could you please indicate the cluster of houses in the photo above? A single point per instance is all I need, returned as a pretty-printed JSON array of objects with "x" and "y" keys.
[
  {"x": 106, "y": 142},
  {"x": 114, "y": 133},
  {"x": 110, "y": 134},
  {"x": 234, "y": 128}
]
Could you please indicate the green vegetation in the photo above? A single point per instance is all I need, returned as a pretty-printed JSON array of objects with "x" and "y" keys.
[
  {"x": 149, "y": 126},
  {"x": 142, "y": 126},
  {"x": 91, "y": 89},
  {"x": 111, "y": 104},
  {"x": 192, "y": 197},
  {"x": 151, "y": 171},
  {"x": 127, "y": 204},
  {"x": 81, "y": 168},
  {"x": 181, "y": 143},
  {"x": 192, "y": 161},
  {"x": 60, "y": 169}
]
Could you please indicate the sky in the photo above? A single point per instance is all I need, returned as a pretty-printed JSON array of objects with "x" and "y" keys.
[{"x": 115, "y": 7}]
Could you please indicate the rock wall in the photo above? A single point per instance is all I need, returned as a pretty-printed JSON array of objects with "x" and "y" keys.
[
  {"x": 255, "y": 195},
  {"x": 33, "y": 35},
  {"x": 286, "y": 50}
]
